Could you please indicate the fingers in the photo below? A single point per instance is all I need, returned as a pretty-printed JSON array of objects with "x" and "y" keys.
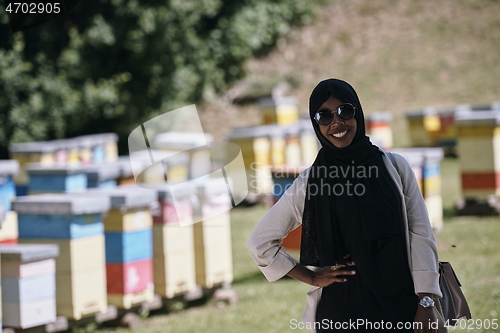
[
  {"x": 337, "y": 276},
  {"x": 327, "y": 276},
  {"x": 351, "y": 263}
]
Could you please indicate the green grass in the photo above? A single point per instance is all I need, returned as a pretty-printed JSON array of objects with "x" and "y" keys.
[{"x": 469, "y": 243}]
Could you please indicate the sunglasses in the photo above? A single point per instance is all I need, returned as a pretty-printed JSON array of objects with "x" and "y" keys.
[{"x": 325, "y": 116}]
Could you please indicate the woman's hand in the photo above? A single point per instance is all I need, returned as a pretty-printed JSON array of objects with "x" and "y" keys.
[
  {"x": 431, "y": 319},
  {"x": 330, "y": 274},
  {"x": 324, "y": 277}
]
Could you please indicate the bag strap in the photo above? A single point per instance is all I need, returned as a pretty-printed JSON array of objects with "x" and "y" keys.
[{"x": 393, "y": 161}]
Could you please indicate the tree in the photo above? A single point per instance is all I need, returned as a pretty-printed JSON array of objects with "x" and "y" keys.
[{"x": 111, "y": 64}]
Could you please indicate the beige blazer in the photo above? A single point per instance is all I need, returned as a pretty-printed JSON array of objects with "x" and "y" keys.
[{"x": 265, "y": 247}]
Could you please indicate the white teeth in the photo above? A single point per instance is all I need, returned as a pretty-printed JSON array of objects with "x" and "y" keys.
[{"x": 339, "y": 135}]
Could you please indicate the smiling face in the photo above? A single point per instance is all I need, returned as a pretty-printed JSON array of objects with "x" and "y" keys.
[{"x": 339, "y": 132}]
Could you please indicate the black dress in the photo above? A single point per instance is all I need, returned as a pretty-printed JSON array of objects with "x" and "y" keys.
[{"x": 381, "y": 292}]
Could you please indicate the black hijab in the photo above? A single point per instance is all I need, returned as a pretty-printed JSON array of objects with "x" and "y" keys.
[{"x": 379, "y": 204}]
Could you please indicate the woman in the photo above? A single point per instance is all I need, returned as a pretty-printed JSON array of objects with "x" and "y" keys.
[{"x": 364, "y": 223}]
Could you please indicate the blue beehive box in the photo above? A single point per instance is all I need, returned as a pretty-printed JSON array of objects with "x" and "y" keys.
[
  {"x": 40, "y": 226},
  {"x": 61, "y": 178},
  {"x": 123, "y": 247},
  {"x": 60, "y": 216},
  {"x": 8, "y": 168},
  {"x": 102, "y": 175}
]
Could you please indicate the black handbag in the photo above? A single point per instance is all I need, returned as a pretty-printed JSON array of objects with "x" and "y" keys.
[{"x": 453, "y": 302}]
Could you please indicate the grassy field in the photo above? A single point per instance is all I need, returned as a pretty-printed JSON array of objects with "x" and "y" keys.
[{"x": 470, "y": 243}]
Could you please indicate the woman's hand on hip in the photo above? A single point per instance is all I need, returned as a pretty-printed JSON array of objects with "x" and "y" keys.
[
  {"x": 331, "y": 274},
  {"x": 324, "y": 277}
]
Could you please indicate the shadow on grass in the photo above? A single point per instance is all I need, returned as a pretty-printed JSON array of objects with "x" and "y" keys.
[{"x": 255, "y": 276}]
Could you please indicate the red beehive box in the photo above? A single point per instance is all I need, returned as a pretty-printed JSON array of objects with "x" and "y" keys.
[{"x": 131, "y": 277}]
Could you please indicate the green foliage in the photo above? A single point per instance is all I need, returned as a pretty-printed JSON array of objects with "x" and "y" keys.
[{"x": 110, "y": 64}]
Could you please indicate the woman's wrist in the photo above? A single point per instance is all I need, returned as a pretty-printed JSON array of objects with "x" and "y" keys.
[{"x": 303, "y": 274}]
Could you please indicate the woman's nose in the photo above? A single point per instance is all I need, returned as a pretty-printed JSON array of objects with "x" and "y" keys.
[{"x": 337, "y": 120}]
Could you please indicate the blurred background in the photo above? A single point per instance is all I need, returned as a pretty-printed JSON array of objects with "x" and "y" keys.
[{"x": 73, "y": 89}]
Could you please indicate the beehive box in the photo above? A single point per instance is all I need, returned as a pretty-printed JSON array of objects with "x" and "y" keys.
[
  {"x": 425, "y": 163},
  {"x": 59, "y": 226},
  {"x": 28, "y": 285},
  {"x": 255, "y": 147},
  {"x": 212, "y": 237},
  {"x": 129, "y": 207},
  {"x": 80, "y": 269},
  {"x": 156, "y": 166},
  {"x": 31, "y": 152},
  {"x": 169, "y": 210},
  {"x": 309, "y": 144},
  {"x": 378, "y": 127},
  {"x": 80, "y": 275},
  {"x": 129, "y": 278},
  {"x": 123, "y": 247},
  {"x": 277, "y": 139},
  {"x": 212, "y": 246},
  {"x": 102, "y": 175},
  {"x": 292, "y": 150},
  {"x": 126, "y": 174},
  {"x": 283, "y": 110},
  {"x": 126, "y": 301},
  {"x": 424, "y": 126},
  {"x": 8, "y": 168},
  {"x": 54, "y": 179},
  {"x": 97, "y": 148},
  {"x": 173, "y": 259},
  {"x": 196, "y": 145},
  {"x": 478, "y": 149},
  {"x": 9, "y": 228},
  {"x": 128, "y": 243},
  {"x": 415, "y": 159}
]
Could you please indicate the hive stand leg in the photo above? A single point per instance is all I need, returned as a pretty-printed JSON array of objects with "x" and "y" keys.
[
  {"x": 224, "y": 296},
  {"x": 130, "y": 320}
]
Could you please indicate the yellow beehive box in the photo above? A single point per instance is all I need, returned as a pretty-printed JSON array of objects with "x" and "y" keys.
[
  {"x": 309, "y": 144},
  {"x": 8, "y": 228},
  {"x": 479, "y": 150},
  {"x": 432, "y": 186},
  {"x": 128, "y": 220},
  {"x": 278, "y": 144},
  {"x": 424, "y": 126},
  {"x": 435, "y": 208},
  {"x": 155, "y": 166},
  {"x": 194, "y": 144},
  {"x": 126, "y": 301},
  {"x": 283, "y": 110},
  {"x": 476, "y": 154},
  {"x": 255, "y": 148},
  {"x": 292, "y": 150},
  {"x": 171, "y": 237},
  {"x": 173, "y": 259},
  {"x": 111, "y": 151},
  {"x": 31, "y": 152},
  {"x": 79, "y": 254},
  {"x": 80, "y": 275},
  {"x": 174, "y": 273},
  {"x": 82, "y": 293},
  {"x": 213, "y": 253}
]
